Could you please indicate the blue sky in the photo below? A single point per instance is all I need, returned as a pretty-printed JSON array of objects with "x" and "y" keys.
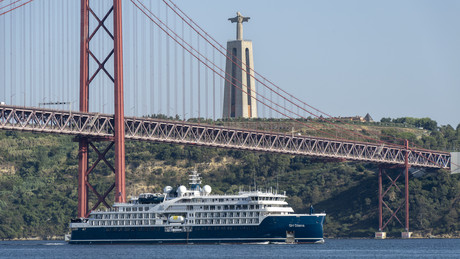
[
  {"x": 388, "y": 58},
  {"x": 346, "y": 58}
]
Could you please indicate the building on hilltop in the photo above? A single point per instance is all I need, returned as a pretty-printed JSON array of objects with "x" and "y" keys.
[
  {"x": 368, "y": 118},
  {"x": 240, "y": 89},
  {"x": 356, "y": 118}
]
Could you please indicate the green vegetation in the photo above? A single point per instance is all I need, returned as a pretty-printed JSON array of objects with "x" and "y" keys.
[{"x": 38, "y": 180}]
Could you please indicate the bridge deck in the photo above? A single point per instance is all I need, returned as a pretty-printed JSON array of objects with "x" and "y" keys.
[{"x": 147, "y": 129}]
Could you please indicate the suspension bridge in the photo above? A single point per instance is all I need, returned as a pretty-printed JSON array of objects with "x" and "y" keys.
[{"x": 174, "y": 68}]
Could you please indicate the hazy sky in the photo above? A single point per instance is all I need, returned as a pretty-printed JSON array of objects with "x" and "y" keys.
[{"x": 386, "y": 58}]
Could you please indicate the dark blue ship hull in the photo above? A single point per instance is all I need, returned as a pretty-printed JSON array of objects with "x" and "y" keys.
[{"x": 304, "y": 229}]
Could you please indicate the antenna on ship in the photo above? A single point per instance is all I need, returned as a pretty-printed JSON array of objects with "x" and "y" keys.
[{"x": 195, "y": 179}]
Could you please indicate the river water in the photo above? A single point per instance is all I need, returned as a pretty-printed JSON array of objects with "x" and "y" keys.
[{"x": 332, "y": 248}]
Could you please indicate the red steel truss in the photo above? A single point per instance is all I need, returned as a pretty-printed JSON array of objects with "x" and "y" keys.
[
  {"x": 85, "y": 82},
  {"x": 393, "y": 185},
  {"x": 94, "y": 125}
]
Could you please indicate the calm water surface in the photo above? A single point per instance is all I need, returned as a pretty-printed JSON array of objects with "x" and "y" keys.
[{"x": 333, "y": 248}]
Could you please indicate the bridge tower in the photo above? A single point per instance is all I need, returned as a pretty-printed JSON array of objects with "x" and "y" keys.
[
  {"x": 85, "y": 82},
  {"x": 240, "y": 89}
]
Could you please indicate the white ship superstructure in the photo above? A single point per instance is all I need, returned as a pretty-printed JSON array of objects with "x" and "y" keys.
[{"x": 194, "y": 207}]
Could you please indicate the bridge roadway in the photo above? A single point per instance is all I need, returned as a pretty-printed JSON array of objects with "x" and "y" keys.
[{"x": 147, "y": 129}]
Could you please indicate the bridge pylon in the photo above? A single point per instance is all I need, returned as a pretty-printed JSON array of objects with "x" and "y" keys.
[{"x": 85, "y": 81}]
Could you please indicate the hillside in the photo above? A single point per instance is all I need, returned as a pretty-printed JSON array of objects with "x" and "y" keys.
[{"x": 38, "y": 180}]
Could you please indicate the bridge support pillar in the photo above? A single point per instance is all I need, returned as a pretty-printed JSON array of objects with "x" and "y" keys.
[
  {"x": 388, "y": 198},
  {"x": 406, "y": 233},
  {"x": 84, "y": 105},
  {"x": 82, "y": 178},
  {"x": 120, "y": 195},
  {"x": 380, "y": 235}
]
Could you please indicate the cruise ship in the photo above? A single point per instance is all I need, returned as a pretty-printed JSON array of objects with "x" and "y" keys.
[{"x": 194, "y": 215}]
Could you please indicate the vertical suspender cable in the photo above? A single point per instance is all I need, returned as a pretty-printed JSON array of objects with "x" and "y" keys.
[
  {"x": 271, "y": 101},
  {"x": 67, "y": 54},
  {"x": 206, "y": 85},
  {"x": 65, "y": 50},
  {"x": 213, "y": 88},
  {"x": 101, "y": 54},
  {"x": 183, "y": 75},
  {"x": 221, "y": 86},
  {"x": 48, "y": 81},
  {"x": 13, "y": 68},
  {"x": 176, "y": 75},
  {"x": 3, "y": 71},
  {"x": 43, "y": 53},
  {"x": 50, "y": 64},
  {"x": 24, "y": 71},
  {"x": 199, "y": 78},
  {"x": 168, "y": 61},
  {"x": 135, "y": 61},
  {"x": 191, "y": 79},
  {"x": 61, "y": 45},
  {"x": 160, "y": 54},
  {"x": 3, "y": 61},
  {"x": 58, "y": 50},
  {"x": 143, "y": 74},
  {"x": 152, "y": 66}
]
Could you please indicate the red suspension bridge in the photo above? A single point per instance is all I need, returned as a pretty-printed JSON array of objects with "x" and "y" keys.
[{"x": 175, "y": 68}]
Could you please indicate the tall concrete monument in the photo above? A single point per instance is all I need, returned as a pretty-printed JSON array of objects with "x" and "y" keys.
[{"x": 240, "y": 90}]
